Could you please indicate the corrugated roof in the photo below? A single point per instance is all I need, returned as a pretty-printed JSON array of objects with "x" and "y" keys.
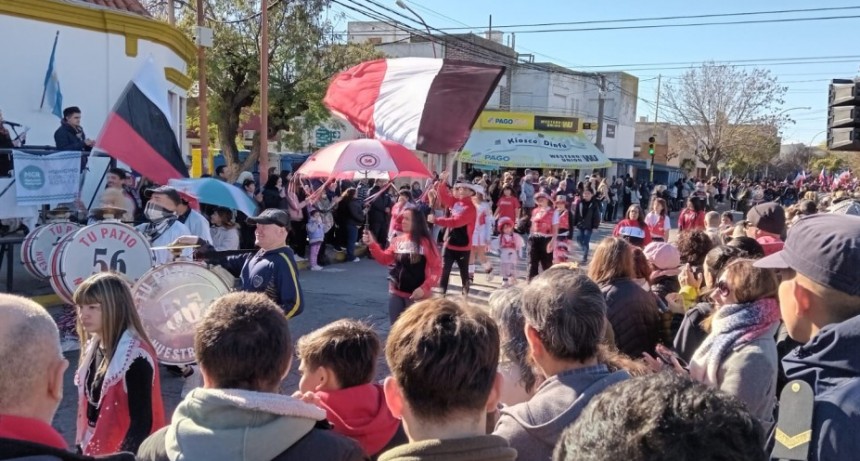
[{"x": 131, "y": 6}]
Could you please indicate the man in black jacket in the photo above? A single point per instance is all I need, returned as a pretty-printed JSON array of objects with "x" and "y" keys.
[
  {"x": 244, "y": 349},
  {"x": 31, "y": 384},
  {"x": 70, "y": 135}
]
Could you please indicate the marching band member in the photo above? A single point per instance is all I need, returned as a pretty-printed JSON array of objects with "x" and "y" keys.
[
  {"x": 193, "y": 219},
  {"x": 481, "y": 235},
  {"x": 119, "y": 393},
  {"x": 163, "y": 227},
  {"x": 414, "y": 261},
  {"x": 458, "y": 240},
  {"x": 560, "y": 254},
  {"x": 271, "y": 270},
  {"x": 542, "y": 239},
  {"x": 510, "y": 246}
]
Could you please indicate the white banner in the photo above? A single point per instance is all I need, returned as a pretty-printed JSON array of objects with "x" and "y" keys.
[{"x": 47, "y": 179}]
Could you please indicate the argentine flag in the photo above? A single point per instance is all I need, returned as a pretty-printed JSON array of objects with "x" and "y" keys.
[{"x": 51, "y": 93}]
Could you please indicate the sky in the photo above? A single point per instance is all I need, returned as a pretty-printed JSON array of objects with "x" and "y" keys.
[{"x": 805, "y": 101}]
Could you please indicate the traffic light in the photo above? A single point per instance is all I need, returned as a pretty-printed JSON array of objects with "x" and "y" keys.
[
  {"x": 843, "y": 119},
  {"x": 651, "y": 142}
]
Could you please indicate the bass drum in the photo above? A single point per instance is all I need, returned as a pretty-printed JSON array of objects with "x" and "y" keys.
[
  {"x": 37, "y": 246},
  {"x": 171, "y": 299},
  {"x": 101, "y": 247}
]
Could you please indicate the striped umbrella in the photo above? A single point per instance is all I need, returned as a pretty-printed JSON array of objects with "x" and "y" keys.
[{"x": 216, "y": 192}]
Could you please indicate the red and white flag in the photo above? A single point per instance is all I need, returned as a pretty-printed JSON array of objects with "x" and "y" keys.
[
  {"x": 822, "y": 177},
  {"x": 424, "y": 104},
  {"x": 800, "y": 178},
  {"x": 138, "y": 131}
]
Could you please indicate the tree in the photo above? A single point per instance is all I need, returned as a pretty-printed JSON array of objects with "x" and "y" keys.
[
  {"x": 725, "y": 113},
  {"x": 303, "y": 56}
]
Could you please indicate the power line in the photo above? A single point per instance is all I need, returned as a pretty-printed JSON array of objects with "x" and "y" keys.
[
  {"x": 718, "y": 61},
  {"x": 658, "y": 18},
  {"x": 692, "y": 24}
]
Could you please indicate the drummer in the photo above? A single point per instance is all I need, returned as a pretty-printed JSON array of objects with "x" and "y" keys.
[
  {"x": 271, "y": 270},
  {"x": 163, "y": 226},
  {"x": 193, "y": 220}
]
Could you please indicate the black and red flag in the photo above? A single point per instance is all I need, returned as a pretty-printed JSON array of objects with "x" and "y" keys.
[{"x": 138, "y": 131}]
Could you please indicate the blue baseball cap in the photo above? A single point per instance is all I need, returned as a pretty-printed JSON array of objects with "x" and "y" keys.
[{"x": 824, "y": 248}]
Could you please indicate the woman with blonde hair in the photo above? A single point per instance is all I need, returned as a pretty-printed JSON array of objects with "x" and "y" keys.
[
  {"x": 119, "y": 395},
  {"x": 632, "y": 311}
]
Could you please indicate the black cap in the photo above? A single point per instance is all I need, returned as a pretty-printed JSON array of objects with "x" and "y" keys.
[
  {"x": 825, "y": 248},
  {"x": 170, "y": 192},
  {"x": 271, "y": 216},
  {"x": 768, "y": 217}
]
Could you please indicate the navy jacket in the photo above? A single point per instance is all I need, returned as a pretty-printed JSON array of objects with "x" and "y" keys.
[
  {"x": 66, "y": 138},
  {"x": 272, "y": 272},
  {"x": 830, "y": 363}
]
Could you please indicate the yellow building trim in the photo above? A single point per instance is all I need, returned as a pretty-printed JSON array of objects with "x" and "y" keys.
[
  {"x": 176, "y": 77},
  {"x": 102, "y": 20},
  {"x": 131, "y": 46}
]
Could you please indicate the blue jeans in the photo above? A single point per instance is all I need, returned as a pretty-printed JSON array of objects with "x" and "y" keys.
[
  {"x": 584, "y": 238},
  {"x": 351, "y": 237}
]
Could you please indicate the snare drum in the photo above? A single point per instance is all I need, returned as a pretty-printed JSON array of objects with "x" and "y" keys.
[
  {"x": 171, "y": 299},
  {"x": 37, "y": 246},
  {"x": 104, "y": 246}
]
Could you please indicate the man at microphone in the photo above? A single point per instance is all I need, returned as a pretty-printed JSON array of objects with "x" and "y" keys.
[{"x": 70, "y": 135}]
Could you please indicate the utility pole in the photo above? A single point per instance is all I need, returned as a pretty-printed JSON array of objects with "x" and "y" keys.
[
  {"x": 263, "y": 160},
  {"x": 654, "y": 130},
  {"x": 201, "y": 89},
  {"x": 171, "y": 12},
  {"x": 601, "y": 102}
]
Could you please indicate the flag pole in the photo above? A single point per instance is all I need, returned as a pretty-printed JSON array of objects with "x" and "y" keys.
[
  {"x": 202, "y": 102},
  {"x": 51, "y": 65}
]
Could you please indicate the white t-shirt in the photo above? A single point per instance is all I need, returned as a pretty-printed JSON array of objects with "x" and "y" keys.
[
  {"x": 225, "y": 239},
  {"x": 176, "y": 230},
  {"x": 198, "y": 225}
]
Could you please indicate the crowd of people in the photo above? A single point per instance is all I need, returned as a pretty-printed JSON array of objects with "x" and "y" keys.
[{"x": 649, "y": 346}]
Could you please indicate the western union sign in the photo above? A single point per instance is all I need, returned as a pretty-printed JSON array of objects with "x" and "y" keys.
[{"x": 526, "y": 121}]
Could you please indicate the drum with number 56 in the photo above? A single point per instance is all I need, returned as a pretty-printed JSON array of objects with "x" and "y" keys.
[{"x": 104, "y": 246}]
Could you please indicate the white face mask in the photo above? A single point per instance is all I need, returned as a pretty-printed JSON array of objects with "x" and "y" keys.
[{"x": 154, "y": 211}]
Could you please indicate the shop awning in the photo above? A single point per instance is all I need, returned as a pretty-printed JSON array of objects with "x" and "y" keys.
[{"x": 532, "y": 149}]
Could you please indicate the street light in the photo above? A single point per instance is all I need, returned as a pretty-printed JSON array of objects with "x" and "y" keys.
[{"x": 403, "y": 5}]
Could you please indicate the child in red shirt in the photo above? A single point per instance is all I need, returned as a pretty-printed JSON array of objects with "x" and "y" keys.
[{"x": 338, "y": 366}]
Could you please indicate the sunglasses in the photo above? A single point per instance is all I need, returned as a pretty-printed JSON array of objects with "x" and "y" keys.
[{"x": 723, "y": 288}]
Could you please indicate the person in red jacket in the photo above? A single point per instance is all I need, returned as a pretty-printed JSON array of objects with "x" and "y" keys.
[
  {"x": 692, "y": 217},
  {"x": 633, "y": 228},
  {"x": 338, "y": 367},
  {"x": 461, "y": 226},
  {"x": 542, "y": 240},
  {"x": 414, "y": 261},
  {"x": 119, "y": 391}
]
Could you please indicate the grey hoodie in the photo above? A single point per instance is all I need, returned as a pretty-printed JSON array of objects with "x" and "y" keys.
[
  {"x": 239, "y": 425},
  {"x": 533, "y": 427}
]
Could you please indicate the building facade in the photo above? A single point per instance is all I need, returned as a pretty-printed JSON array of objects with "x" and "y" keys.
[{"x": 101, "y": 45}]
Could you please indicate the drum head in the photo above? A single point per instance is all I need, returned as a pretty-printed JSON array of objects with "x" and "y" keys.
[
  {"x": 171, "y": 299},
  {"x": 56, "y": 278},
  {"x": 37, "y": 247},
  {"x": 101, "y": 247}
]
